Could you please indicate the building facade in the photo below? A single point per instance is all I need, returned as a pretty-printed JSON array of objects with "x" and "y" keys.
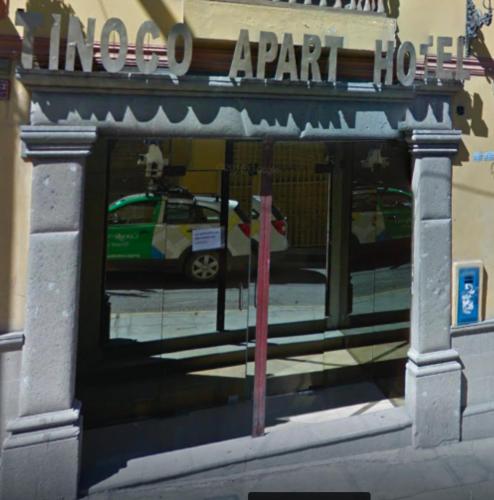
[{"x": 240, "y": 234}]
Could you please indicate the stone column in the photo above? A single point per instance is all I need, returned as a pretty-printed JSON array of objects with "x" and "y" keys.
[
  {"x": 41, "y": 453},
  {"x": 433, "y": 373}
]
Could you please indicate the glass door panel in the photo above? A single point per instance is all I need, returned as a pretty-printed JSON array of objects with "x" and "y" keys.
[
  {"x": 298, "y": 271},
  {"x": 135, "y": 239},
  {"x": 206, "y": 369},
  {"x": 244, "y": 184},
  {"x": 165, "y": 247},
  {"x": 380, "y": 261},
  {"x": 380, "y": 241},
  {"x": 299, "y": 234}
]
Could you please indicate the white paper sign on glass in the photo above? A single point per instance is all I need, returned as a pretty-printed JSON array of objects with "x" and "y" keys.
[{"x": 207, "y": 239}]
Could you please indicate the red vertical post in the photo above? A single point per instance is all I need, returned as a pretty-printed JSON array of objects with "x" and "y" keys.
[
  {"x": 263, "y": 265},
  {"x": 4, "y": 8}
]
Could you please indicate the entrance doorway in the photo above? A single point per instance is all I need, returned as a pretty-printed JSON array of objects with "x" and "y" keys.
[{"x": 181, "y": 280}]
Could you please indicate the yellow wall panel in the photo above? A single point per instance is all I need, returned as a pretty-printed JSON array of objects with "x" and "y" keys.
[
  {"x": 15, "y": 189},
  {"x": 132, "y": 12},
  {"x": 420, "y": 18},
  {"x": 224, "y": 20},
  {"x": 208, "y": 154},
  {"x": 473, "y": 182}
]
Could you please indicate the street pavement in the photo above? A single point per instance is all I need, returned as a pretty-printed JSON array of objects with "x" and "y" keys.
[
  {"x": 143, "y": 311},
  {"x": 461, "y": 471},
  {"x": 152, "y": 292}
]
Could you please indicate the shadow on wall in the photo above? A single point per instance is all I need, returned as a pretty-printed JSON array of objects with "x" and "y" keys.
[
  {"x": 480, "y": 49},
  {"x": 48, "y": 7},
  {"x": 157, "y": 10},
  {"x": 471, "y": 120},
  {"x": 469, "y": 108},
  {"x": 6, "y": 26},
  {"x": 393, "y": 8},
  {"x": 160, "y": 14},
  {"x": 463, "y": 155}
]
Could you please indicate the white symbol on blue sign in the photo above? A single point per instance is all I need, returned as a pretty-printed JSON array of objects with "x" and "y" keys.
[
  {"x": 468, "y": 296},
  {"x": 467, "y": 299}
]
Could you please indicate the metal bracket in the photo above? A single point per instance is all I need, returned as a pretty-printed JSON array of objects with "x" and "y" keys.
[{"x": 476, "y": 21}]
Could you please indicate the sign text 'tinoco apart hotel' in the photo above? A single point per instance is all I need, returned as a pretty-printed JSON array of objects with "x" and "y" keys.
[{"x": 269, "y": 51}]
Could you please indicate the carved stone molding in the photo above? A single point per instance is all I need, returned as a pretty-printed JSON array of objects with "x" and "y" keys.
[
  {"x": 12, "y": 341},
  {"x": 434, "y": 142},
  {"x": 57, "y": 141}
]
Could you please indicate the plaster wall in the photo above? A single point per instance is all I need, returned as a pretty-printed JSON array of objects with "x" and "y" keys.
[
  {"x": 131, "y": 12},
  {"x": 206, "y": 156},
  {"x": 222, "y": 20},
  {"x": 14, "y": 210},
  {"x": 419, "y": 19},
  {"x": 211, "y": 19},
  {"x": 473, "y": 181}
]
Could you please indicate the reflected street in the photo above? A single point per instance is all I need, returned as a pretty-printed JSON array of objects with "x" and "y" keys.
[{"x": 137, "y": 311}]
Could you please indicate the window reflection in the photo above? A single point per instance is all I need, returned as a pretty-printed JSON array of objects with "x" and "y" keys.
[
  {"x": 381, "y": 229},
  {"x": 166, "y": 264}
]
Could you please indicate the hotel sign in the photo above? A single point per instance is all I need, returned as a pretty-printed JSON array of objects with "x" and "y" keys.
[
  {"x": 309, "y": 67},
  {"x": 83, "y": 44},
  {"x": 388, "y": 59}
]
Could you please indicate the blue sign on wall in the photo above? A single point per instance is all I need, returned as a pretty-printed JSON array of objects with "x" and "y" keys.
[
  {"x": 468, "y": 295},
  {"x": 483, "y": 156}
]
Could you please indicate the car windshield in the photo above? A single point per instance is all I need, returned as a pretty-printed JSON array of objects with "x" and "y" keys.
[{"x": 134, "y": 213}]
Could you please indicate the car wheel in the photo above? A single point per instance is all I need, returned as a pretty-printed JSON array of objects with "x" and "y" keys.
[{"x": 202, "y": 267}]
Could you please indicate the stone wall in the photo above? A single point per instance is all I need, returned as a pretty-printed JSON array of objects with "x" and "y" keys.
[
  {"x": 10, "y": 362},
  {"x": 475, "y": 345}
]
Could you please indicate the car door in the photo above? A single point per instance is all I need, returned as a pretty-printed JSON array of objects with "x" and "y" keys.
[
  {"x": 182, "y": 217},
  {"x": 159, "y": 236},
  {"x": 131, "y": 229}
]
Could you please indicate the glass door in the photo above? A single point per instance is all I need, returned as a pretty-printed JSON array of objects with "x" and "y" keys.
[
  {"x": 380, "y": 261},
  {"x": 172, "y": 230},
  {"x": 296, "y": 189},
  {"x": 191, "y": 279}
]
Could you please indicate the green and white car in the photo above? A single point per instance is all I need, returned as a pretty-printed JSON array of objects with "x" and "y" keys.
[{"x": 157, "y": 230}]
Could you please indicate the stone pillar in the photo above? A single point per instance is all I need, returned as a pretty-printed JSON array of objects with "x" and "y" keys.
[
  {"x": 41, "y": 453},
  {"x": 433, "y": 373}
]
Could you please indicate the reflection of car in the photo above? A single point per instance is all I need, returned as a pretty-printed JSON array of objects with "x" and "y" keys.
[
  {"x": 279, "y": 240},
  {"x": 147, "y": 228},
  {"x": 381, "y": 214}
]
